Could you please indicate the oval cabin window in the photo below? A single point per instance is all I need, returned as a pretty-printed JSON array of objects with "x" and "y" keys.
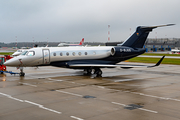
[
  {"x": 67, "y": 54},
  {"x": 85, "y": 53},
  {"x": 54, "y": 54}
]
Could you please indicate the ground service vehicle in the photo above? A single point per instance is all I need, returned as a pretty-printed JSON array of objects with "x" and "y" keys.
[{"x": 3, "y": 69}]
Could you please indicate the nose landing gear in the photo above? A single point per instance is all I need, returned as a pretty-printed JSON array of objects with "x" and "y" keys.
[{"x": 21, "y": 73}]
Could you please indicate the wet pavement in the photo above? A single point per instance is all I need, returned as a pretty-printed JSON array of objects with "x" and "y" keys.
[{"x": 66, "y": 94}]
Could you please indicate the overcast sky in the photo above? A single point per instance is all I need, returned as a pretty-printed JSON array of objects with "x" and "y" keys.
[{"x": 72, "y": 20}]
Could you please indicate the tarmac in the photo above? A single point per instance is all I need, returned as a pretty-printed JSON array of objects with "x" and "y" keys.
[{"x": 51, "y": 93}]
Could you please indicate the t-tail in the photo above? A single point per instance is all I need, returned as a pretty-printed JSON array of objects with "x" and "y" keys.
[
  {"x": 138, "y": 39},
  {"x": 82, "y": 41}
]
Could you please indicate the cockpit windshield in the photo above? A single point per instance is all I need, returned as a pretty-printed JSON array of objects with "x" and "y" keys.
[{"x": 24, "y": 53}]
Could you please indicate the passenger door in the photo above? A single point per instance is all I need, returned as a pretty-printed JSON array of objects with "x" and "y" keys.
[{"x": 46, "y": 56}]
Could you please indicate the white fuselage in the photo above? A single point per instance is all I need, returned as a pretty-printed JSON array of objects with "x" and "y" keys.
[{"x": 46, "y": 55}]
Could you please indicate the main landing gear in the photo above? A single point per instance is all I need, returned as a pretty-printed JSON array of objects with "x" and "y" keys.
[
  {"x": 97, "y": 71},
  {"x": 21, "y": 73}
]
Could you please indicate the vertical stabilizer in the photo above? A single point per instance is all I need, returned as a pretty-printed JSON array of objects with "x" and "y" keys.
[
  {"x": 138, "y": 39},
  {"x": 82, "y": 41}
]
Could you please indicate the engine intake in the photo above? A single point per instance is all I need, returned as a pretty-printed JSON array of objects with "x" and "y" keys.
[{"x": 113, "y": 51}]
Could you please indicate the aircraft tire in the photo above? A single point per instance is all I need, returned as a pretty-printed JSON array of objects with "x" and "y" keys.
[
  {"x": 22, "y": 74},
  {"x": 89, "y": 71},
  {"x": 99, "y": 73}
]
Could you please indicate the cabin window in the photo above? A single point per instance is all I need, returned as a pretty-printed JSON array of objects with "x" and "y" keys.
[
  {"x": 79, "y": 53},
  {"x": 67, "y": 54},
  {"x": 94, "y": 53},
  {"x": 54, "y": 54},
  {"x": 30, "y": 53},
  {"x": 85, "y": 53},
  {"x": 61, "y": 54},
  {"x": 73, "y": 53}
]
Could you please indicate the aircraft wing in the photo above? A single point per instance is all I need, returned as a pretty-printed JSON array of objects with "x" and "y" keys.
[{"x": 125, "y": 66}]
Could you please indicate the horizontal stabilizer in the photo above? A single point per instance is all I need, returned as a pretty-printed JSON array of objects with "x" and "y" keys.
[{"x": 157, "y": 26}]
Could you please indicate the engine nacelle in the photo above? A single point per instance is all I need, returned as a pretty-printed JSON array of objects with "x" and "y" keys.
[
  {"x": 113, "y": 51},
  {"x": 121, "y": 51}
]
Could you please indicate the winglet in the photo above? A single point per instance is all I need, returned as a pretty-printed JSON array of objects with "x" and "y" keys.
[{"x": 158, "y": 63}]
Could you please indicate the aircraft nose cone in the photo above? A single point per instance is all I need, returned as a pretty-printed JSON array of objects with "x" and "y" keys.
[
  {"x": 12, "y": 62},
  {"x": 7, "y": 63}
]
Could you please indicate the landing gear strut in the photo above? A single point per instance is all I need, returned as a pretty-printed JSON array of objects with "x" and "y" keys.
[{"x": 21, "y": 73}]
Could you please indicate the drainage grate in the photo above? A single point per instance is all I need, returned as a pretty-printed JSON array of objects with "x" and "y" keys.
[
  {"x": 87, "y": 96},
  {"x": 132, "y": 106}
]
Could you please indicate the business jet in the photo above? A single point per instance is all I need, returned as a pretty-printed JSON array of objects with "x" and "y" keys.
[
  {"x": 65, "y": 44},
  {"x": 87, "y": 58}
]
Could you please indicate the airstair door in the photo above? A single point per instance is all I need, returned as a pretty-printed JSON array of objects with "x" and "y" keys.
[{"x": 46, "y": 56}]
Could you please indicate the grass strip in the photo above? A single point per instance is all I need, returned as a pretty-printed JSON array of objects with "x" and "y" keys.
[
  {"x": 160, "y": 54},
  {"x": 6, "y": 53},
  {"x": 155, "y": 60}
]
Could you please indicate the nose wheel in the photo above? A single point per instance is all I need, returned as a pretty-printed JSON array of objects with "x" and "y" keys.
[{"x": 21, "y": 73}]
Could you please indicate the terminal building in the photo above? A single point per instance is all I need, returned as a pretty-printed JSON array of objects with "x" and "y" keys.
[{"x": 155, "y": 45}]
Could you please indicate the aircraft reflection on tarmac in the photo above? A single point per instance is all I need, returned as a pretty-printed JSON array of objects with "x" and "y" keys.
[{"x": 2, "y": 77}]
